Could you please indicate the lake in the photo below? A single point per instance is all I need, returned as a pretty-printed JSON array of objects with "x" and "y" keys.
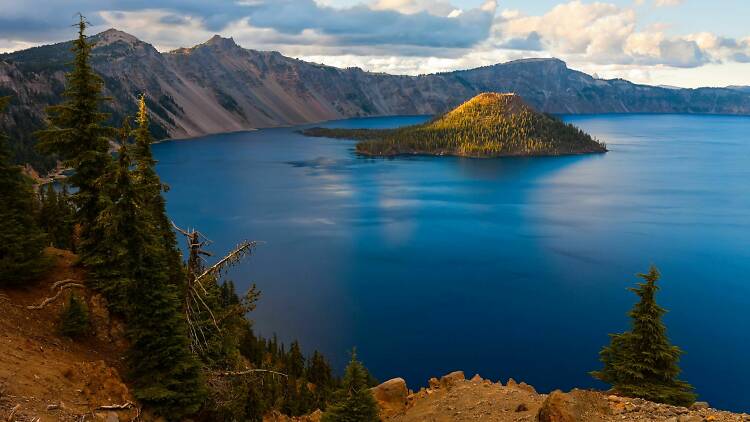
[{"x": 513, "y": 267}]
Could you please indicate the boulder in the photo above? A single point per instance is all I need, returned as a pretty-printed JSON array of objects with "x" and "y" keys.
[
  {"x": 452, "y": 379},
  {"x": 526, "y": 387},
  {"x": 699, "y": 405},
  {"x": 476, "y": 378},
  {"x": 391, "y": 396},
  {"x": 578, "y": 405},
  {"x": 434, "y": 383}
]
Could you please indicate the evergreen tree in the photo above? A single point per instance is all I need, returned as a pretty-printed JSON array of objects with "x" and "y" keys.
[
  {"x": 295, "y": 361},
  {"x": 77, "y": 134},
  {"x": 642, "y": 362},
  {"x": 74, "y": 321},
  {"x": 165, "y": 375},
  {"x": 353, "y": 402},
  {"x": 151, "y": 189},
  {"x": 21, "y": 239},
  {"x": 56, "y": 216}
]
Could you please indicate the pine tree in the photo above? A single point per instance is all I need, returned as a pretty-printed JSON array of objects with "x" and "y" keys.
[
  {"x": 21, "y": 240},
  {"x": 295, "y": 361},
  {"x": 165, "y": 375},
  {"x": 642, "y": 362},
  {"x": 354, "y": 401},
  {"x": 74, "y": 321},
  {"x": 151, "y": 189},
  {"x": 56, "y": 216},
  {"x": 77, "y": 134}
]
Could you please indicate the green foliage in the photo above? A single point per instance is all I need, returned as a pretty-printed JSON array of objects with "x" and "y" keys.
[
  {"x": 151, "y": 189},
  {"x": 488, "y": 125},
  {"x": 642, "y": 362},
  {"x": 57, "y": 216},
  {"x": 353, "y": 402},
  {"x": 236, "y": 347},
  {"x": 77, "y": 135},
  {"x": 165, "y": 375},
  {"x": 21, "y": 239},
  {"x": 74, "y": 320}
]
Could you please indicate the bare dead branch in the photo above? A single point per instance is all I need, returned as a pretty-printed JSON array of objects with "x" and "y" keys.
[
  {"x": 61, "y": 282},
  {"x": 126, "y": 405},
  {"x": 235, "y": 256},
  {"x": 248, "y": 371},
  {"x": 57, "y": 295}
]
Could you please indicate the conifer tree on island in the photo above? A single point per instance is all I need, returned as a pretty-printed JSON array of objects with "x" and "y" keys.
[
  {"x": 642, "y": 362},
  {"x": 353, "y": 402},
  {"x": 21, "y": 239},
  {"x": 77, "y": 134}
]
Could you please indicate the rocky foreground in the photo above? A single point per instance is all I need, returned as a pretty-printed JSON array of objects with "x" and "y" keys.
[{"x": 454, "y": 398}]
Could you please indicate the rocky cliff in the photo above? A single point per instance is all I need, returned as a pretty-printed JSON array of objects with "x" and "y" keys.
[{"x": 219, "y": 86}]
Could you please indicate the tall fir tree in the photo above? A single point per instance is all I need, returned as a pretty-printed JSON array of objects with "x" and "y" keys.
[
  {"x": 21, "y": 239},
  {"x": 165, "y": 375},
  {"x": 353, "y": 402},
  {"x": 76, "y": 133},
  {"x": 151, "y": 189},
  {"x": 642, "y": 362},
  {"x": 56, "y": 216}
]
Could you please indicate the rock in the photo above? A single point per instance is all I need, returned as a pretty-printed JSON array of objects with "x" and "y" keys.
[
  {"x": 53, "y": 407},
  {"x": 315, "y": 416},
  {"x": 511, "y": 383},
  {"x": 107, "y": 416},
  {"x": 434, "y": 383},
  {"x": 689, "y": 418},
  {"x": 572, "y": 407},
  {"x": 452, "y": 379},
  {"x": 391, "y": 396},
  {"x": 476, "y": 378},
  {"x": 522, "y": 407},
  {"x": 699, "y": 405},
  {"x": 526, "y": 387}
]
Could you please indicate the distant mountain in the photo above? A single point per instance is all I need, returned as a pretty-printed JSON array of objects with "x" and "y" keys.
[
  {"x": 488, "y": 125},
  {"x": 740, "y": 88},
  {"x": 218, "y": 86}
]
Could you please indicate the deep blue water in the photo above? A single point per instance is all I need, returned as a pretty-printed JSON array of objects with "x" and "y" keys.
[{"x": 513, "y": 267}]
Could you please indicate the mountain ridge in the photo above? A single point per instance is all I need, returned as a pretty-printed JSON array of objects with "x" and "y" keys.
[{"x": 218, "y": 86}]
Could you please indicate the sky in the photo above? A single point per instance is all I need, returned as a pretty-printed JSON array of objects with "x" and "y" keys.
[{"x": 687, "y": 43}]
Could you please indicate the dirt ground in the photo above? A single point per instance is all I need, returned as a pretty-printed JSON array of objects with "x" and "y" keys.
[{"x": 47, "y": 377}]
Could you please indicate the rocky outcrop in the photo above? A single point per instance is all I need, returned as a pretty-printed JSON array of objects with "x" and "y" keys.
[
  {"x": 578, "y": 405},
  {"x": 452, "y": 379},
  {"x": 481, "y": 399},
  {"x": 391, "y": 396}
]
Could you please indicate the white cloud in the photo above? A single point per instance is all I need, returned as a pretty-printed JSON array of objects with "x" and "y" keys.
[{"x": 663, "y": 3}]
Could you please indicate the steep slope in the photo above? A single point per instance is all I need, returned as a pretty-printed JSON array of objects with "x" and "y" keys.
[
  {"x": 488, "y": 125},
  {"x": 47, "y": 377},
  {"x": 218, "y": 86}
]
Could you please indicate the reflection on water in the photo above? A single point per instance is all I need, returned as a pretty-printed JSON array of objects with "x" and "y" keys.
[{"x": 509, "y": 267}]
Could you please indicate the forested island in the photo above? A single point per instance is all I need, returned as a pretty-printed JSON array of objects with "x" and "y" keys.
[{"x": 488, "y": 125}]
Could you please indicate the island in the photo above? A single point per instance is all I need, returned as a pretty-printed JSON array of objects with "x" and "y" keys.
[{"x": 488, "y": 125}]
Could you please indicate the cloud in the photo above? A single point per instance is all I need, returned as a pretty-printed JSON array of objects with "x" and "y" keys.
[
  {"x": 663, "y": 3},
  {"x": 606, "y": 34},
  {"x": 396, "y": 36},
  {"x": 409, "y": 23}
]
